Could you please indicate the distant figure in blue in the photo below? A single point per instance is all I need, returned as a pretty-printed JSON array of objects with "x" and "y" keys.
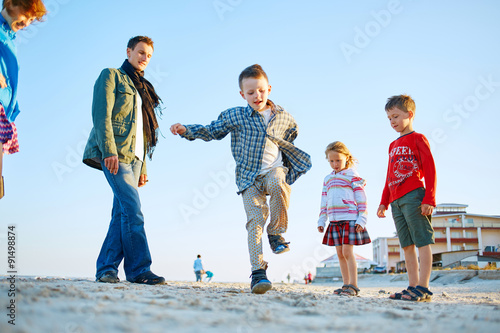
[
  {"x": 198, "y": 268},
  {"x": 15, "y": 15},
  {"x": 209, "y": 276}
]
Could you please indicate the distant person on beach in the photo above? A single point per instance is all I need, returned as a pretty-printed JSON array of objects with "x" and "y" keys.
[
  {"x": 124, "y": 132},
  {"x": 15, "y": 15},
  {"x": 343, "y": 205},
  {"x": 267, "y": 163},
  {"x": 410, "y": 161},
  {"x": 198, "y": 268},
  {"x": 210, "y": 275}
]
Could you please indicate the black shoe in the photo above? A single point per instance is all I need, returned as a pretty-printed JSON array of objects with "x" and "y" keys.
[
  {"x": 278, "y": 244},
  {"x": 149, "y": 278},
  {"x": 260, "y": 284},
  {"x": 109, "y": 277}
]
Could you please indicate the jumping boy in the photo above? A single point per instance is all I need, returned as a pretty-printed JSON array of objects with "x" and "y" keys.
[
  {"x": 267, "y": 163},
  {"x": 410, "y": 161}
]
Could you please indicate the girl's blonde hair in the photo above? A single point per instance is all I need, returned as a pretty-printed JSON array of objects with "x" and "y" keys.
[{"x": 341, "y": 148}]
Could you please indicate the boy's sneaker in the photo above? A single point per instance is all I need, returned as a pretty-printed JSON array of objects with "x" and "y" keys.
[
  {"x": 260, "y": 284},
  {"x": 278, "y": 244}
]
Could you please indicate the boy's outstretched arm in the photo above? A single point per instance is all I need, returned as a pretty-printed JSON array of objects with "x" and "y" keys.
[
  {"x": 216, "y": 130},
  {"x": 177, "y": 129}
]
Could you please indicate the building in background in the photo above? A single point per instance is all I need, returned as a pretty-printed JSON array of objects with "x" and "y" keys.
[
  {"x": 460, "y": 238},
  {"x": 387, "y": 252},
  {"x": 331, "y": 268}
]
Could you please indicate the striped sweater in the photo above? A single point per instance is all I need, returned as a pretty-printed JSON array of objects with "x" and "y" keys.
[{"x": 343, "y": 198}]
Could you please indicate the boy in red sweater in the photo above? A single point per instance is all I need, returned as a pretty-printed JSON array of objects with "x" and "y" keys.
[{"x": 410, "y": 165}]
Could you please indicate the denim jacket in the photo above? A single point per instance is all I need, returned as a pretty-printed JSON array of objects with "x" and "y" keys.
[{"x": 114, "y": 114}]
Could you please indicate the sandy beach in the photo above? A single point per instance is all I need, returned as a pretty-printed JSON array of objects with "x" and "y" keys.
[{"x": 462, "y": 302}]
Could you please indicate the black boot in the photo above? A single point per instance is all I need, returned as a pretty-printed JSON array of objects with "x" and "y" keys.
[
  {"x": 260, "y": 284},
  {"x": 278, "y": 244}
]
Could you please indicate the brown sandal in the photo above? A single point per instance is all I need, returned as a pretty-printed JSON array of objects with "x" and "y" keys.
[
  {"x": 340, "y": 290},
  {"x": 413, "y": 295},
  {"x": 418, "y": 294},
  {"x": 397, "y": 296},
  {"x": 350, "y": 291}
]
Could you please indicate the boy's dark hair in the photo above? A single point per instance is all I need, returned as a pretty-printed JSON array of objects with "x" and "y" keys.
[
  {"x": 403, "y": 102},
  {"x": 137, "y": 39},
  {"x": 198, "y": 256},
  {"x": 30, "y": 8},
  {"x": 254, "y": 71}
]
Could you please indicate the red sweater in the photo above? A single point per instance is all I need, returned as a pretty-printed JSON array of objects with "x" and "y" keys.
[{"x": 410, "y": 161}]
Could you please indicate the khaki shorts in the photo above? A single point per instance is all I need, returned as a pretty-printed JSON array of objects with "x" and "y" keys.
[{"x": 413, "y": 228}]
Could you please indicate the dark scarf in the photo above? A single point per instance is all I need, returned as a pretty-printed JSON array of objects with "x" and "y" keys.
[{"x": 150, "y": 103}]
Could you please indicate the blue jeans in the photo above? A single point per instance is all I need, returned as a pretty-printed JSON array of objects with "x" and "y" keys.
[{"x": 126, "y": 238}]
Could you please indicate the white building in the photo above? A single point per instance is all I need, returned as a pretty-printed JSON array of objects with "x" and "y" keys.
[
  {"x": 387, "y": 252},
  {"x": 456, "y": 230},
  {"x": 331, "y": 268},
  {"x": 457, "y": 234},
  {"x": 361, "y": 262}
]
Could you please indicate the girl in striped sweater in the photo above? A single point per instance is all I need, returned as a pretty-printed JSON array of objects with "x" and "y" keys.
[{"x": 343, "y": 204}]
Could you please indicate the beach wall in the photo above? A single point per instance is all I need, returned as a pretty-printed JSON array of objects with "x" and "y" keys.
[{"x": 437, "y": 276}]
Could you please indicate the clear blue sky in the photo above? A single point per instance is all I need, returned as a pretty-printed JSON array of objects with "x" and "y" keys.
[{"x": 332, "y": 64}]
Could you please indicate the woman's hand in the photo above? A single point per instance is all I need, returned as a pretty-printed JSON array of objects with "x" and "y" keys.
[
  {"x": 112, "y": 164},
  {"x": 143, "y": 179}
]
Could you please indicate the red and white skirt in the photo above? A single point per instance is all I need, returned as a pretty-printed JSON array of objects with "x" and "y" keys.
[
  {"x": 8, "y": 134},
  {"x": 344, "y": 232}
]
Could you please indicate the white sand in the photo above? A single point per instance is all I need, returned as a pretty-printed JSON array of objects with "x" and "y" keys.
[{"x": 81, "y": 305}]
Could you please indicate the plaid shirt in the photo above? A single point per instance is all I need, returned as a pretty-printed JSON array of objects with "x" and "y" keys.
[{"x": 248, "y": 140}]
